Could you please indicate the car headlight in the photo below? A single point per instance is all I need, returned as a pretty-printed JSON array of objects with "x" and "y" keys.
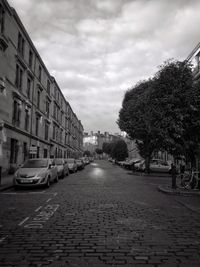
[
  {"x": 16, "y": 175},
  {"x": 41, "y": 175}
]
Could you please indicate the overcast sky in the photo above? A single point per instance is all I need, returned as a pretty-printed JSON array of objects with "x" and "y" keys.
[{"x": 97, "y": 49}]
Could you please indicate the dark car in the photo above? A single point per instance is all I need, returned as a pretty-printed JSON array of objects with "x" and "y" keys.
[{"x": 80, "y": 164}]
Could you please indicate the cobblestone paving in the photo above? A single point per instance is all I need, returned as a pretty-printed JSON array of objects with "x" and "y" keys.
[{"x": 103, "y": 217}]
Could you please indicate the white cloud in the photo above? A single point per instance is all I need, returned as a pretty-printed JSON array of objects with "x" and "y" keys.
[{"x": 96, "y": 49}]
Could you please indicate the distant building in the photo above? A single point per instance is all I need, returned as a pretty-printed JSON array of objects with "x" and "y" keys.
[
  {"x": 35, "y": 118},
  {"x": 92, "y": 141}
]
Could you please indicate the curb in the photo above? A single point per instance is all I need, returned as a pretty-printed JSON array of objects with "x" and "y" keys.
[
  {"x": 5, "y": 187},
  {"x": 169, "y": 191}
]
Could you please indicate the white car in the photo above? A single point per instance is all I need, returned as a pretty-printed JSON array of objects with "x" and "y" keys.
[
  {"x": 156, "y": 165},
  {"x": 62, "y": 167},
  {"x": 36, "y": 172},
  {"x": 72, "y": 165}
]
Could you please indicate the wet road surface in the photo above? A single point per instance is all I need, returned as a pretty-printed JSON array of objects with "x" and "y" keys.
[{"x": 101, "y": 216}]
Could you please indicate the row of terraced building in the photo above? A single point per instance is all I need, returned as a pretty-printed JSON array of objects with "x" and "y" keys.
[{"x": 36, "y": 120}]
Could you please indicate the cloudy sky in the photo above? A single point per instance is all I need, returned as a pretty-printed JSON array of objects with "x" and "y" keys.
[{"x": 96, "y": 49}]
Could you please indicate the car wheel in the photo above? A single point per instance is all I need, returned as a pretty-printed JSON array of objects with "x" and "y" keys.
[
  {"x": 47, "y": 185},
  {"x": 56, "y": 179}
]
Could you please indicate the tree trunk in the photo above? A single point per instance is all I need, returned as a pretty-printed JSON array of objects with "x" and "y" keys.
[{"x": 147, "y": 164}]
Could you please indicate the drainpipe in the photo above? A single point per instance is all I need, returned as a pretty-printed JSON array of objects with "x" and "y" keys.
[{"x": 33, "y": 90}]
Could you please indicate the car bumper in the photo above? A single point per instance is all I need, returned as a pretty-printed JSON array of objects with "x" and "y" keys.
[{"x": 34, "y": 183}]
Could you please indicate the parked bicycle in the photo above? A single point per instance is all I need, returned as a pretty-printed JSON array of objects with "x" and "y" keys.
[{"x": 189, "y": 180}]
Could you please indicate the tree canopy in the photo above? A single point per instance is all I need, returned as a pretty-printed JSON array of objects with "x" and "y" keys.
[{"x": 162, "y": 113}]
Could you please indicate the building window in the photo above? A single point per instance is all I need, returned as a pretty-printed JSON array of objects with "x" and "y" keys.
[
  {"x": 46, "y": 131},
  {"x": 29, "y": 82},
  {"x": 14, "y": 147},
  {"x": 25, "y": 150},
  {"x": 38, "y": 99},
  {"x": 40, "y": 73},
  {"x": 54, "y": 132},
  {"x": 21, "y": 44},
  {"x": 30, "y": 61},
  {"x": 48, "y": 87},
  {"x": 27, "y": 119},
  {"x": 37, "y": 125},
  {"x": 45, "y": 153},
  {"x": 16, "y": 112},
  {"x": 19, "y": 77},
  {"x": 47, "y": 108},
  {"x": 2, "y": 19}
]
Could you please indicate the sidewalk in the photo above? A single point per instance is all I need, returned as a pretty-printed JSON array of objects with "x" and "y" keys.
[
  {"x": 6, "y": 181},
  {"x": 179, "y": 191}
]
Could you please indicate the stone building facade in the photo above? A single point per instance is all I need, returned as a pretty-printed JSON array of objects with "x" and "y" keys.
[{"x": 35, "y": 118}]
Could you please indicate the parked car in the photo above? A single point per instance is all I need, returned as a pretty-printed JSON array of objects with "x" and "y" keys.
[
  {"x": 62, "y": 166},
  {"x": 80, "y": 164},
  {"x": 72, "y": 165},
  {"x": 36, "y": 172},
  {"x": 130, "y": 163},
  {"x": 86, "y": 160},
  {"x": 91, "y": 159},
  {"x": 157, "y": 165},
  {"x": 139, "y": 166}
]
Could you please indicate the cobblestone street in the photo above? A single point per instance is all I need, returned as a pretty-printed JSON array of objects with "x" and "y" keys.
[{"x": 101, "y": 216}]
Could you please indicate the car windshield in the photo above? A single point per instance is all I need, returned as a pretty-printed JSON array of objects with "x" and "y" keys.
[
  {"x": 38, "y": 163},
  {"x": 59, "y": 161},
  {"x": 70, "y": 160}
]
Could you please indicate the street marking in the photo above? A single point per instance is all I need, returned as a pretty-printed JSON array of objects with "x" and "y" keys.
[
  {"x": 49, "y": 200},
  {"x": 40, "y": 192},
  {"x": 9, "y": 193},
  {"x": 3, "y": 238},
  {"x": 42, "y": 217},
  {"x": 22, "y": 222},
  {"x": 55, "y": 194},
  {"x": 38, "y": 208}
]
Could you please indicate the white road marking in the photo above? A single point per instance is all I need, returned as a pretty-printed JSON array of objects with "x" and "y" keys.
[
  {"x": 42, "y": 217},
  {"x": 55, "y": 194},
  {"x": 49, "y": 199},
  {"x": 23, "y": 221},
  {"x": 40, "y": 192},
  {"x": 38, "y": 208},
  {"x": 9, "y": 193},
  {"x": 3, "y": 238}
]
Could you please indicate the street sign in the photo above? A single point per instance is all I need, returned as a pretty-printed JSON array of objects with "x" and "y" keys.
[{"x": 33, "y": 150}]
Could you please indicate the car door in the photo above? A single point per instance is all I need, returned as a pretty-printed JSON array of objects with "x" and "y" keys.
[{"x": 54, "y": 169}]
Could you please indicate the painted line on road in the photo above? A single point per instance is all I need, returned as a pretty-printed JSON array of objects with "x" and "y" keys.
[
  {"x": 3, "y": 238},
  {"x": 11, "y": 193},
  {"x": 49, "y": 200},
  {"x": 22, "y": 222},
  {"x": 55, "y": 194},
  {"x": 40, "y": 207},
  {"x": 38, "y": 220}
]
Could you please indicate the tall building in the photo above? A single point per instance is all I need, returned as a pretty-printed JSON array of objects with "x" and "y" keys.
[{"x": 35, "y": 118}]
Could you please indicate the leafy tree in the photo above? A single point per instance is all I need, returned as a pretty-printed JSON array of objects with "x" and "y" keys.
[
  {"x": 119, "y": 150},
  {"x": 87, "y": 153},
  {"x": 164, "y": 113},
  {"x": 177, "y": 108},
  {"x": 107, "y": 148},
  {"x": 136, "y": 119},
  {"x": 99, "y": 151}
]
